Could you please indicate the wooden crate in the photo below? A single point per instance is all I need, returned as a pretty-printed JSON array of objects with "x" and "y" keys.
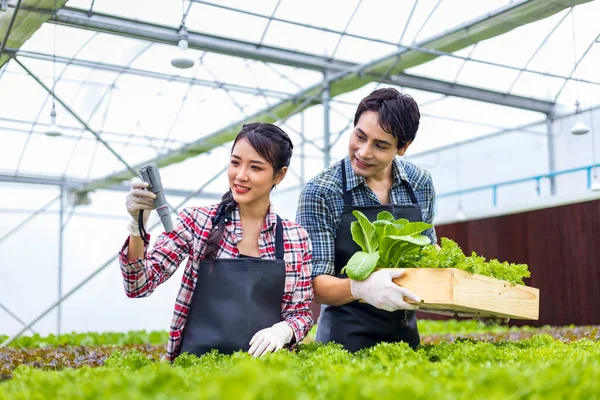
[{"x": 456, "y": 292}]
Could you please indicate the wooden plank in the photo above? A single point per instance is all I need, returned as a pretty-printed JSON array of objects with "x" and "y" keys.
[{"x": 456, "y": 292}]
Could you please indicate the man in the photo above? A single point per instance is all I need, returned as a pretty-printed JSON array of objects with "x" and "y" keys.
[{"x": 371, "y": 179}]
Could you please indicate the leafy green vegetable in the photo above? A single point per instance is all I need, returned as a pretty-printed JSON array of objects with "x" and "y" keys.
[
  {"x": 363, "y": 233},
  {"x": 451, "y": 256},
  {"x": 389, "y": 243},
  {"x": 384, "y": 243},
  {"x": 361, "y": 265}
]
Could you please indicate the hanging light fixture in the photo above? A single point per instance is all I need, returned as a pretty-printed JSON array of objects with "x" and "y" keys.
[
  {"x": 580, "y": 128},
  {"x": 182, "y": 59},
  {"x": 53, "y": 131}
]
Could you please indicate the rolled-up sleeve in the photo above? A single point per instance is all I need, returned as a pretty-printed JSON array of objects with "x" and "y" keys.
[
  {"x": 315, "y": 214},
  {"x": 142, "y": 276}
]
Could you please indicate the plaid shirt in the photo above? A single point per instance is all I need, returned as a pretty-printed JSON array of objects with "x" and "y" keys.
[
  {"x": 321, "y": 204},
  {"x": 141, "y": 277}
]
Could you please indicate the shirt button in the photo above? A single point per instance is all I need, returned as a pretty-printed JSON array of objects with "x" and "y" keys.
[{"x": 234, "y": 236}]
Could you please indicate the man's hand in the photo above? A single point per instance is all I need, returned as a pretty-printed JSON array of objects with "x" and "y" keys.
[
  {"x": 379, "y": 291},
  {"x": 269, "y": 340}
]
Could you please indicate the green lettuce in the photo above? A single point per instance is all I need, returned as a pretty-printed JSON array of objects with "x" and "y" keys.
[{"x": 384, "y": 243}]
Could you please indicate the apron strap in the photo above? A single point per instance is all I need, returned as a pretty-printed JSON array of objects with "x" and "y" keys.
[
  {"x": 348, "y": 195},
  {"x": 279, "y": 248}
]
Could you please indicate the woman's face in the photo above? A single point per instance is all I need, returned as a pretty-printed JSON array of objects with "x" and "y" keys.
[{"x": 250, "y": 175}]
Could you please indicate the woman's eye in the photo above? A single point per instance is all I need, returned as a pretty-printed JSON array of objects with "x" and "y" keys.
[
  {"x": 256, "y": 168},
  {"x": 233, "y": 162}
]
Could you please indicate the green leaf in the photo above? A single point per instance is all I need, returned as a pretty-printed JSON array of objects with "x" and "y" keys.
[
  {"x": 361, "y": 265},
  {"x": 368, "y": 240},
  {"x": 381, "y": 229},
  {"x": 413, "y": 228},
  {"x": 393, "y": 248},
  {"x": 385, "y": 216}
]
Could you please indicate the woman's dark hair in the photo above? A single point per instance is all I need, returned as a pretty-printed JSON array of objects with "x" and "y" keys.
[
  {"x": 275, "y": 146},
  {"x": 398, "y": 114}
]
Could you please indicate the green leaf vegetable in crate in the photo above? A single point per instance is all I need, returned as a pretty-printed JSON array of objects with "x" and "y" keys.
[{"x": 389, "y": 243}]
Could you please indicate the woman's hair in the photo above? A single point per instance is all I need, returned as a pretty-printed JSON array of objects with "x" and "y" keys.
[{"x": 275, "y": 146}]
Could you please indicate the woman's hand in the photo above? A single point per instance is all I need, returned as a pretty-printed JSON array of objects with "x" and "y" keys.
[
  {"x": 269, "y": 340},
  {"x": 138, "y": 199}
]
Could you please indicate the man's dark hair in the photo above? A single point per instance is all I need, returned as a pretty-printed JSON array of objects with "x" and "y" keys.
[{"x": 398, "y": 114}]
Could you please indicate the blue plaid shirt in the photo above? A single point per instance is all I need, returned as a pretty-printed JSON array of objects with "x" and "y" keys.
[{"x": 321, "y": 204}]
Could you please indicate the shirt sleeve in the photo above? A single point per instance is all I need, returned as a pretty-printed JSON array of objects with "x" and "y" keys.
[
  {"x": 296, "y": 310},
  {"x": 142, "y": 276},
  {"x": 316, "y": 216},
  {"x": 430, "y": 209}
]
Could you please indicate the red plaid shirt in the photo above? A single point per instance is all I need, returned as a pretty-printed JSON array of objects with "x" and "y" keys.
[{"x": 141, "y": 277}]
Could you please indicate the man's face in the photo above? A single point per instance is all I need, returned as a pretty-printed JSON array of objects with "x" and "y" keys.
[{"x": 371, "y": 149}]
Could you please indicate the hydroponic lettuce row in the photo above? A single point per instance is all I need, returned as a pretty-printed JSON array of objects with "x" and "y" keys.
[
  {"x": 389, "y": 243},
  {"x": 538, "y": 367}
]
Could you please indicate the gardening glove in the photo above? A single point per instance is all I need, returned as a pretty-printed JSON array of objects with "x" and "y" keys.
[
  {"x": 138, "y": 199},
  {"x": 379, "y": 291},
  {"x": 269, "y": 340}
]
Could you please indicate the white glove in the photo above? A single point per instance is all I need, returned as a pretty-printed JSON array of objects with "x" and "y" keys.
[
  {"x": 379, "y": 291},
  {"x": 139, "y": 199},
  {"x": 269, "y": 340}
]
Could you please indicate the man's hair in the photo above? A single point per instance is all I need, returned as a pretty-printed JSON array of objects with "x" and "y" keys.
[{"x": 398, "y": 114}]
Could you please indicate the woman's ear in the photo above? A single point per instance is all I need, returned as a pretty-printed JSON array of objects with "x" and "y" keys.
[{"x": 280, "y": 175}]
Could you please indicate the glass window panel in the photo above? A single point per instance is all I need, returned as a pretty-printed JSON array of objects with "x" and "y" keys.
[
  {"x": 537, "y": 86},
  {"x": 260, "y": 7},
  {"x": 480, "y": 112},
  {"x": 302, "y": 39},
  {"x": 221, "y": 22},
  {"x": 448, "y": 15},
  {"x": 487, "y": 76},
  {"x": 17, "y": 106},
  {"x": 68, "y": 40},
  {"x": 155, "y": 11},
  {"x": 112, "y": 49},
  {"x": 332, "y": 14},
  {"x": 442, "y": 68},
  {"x": 372, "y": 20},
  {"x": 12, "y": 145},
  {"x": 362, "y": 51}
]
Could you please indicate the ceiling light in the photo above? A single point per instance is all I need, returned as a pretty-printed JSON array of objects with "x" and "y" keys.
[
  {"x": 53, "y": 130},
  {"x": 182, "y": 59},
  {"x": 580, "y": 128}
]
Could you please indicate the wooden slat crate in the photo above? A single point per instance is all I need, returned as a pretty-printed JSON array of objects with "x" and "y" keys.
[{"x": 455, "y": 292}]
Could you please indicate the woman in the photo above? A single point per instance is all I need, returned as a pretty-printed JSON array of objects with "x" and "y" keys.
[{"x": 246, "y": 285}]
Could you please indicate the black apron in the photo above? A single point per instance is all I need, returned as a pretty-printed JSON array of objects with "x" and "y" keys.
[
  {"x": 359, "y": 325},
  {"x": 233, "y": 299}
]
